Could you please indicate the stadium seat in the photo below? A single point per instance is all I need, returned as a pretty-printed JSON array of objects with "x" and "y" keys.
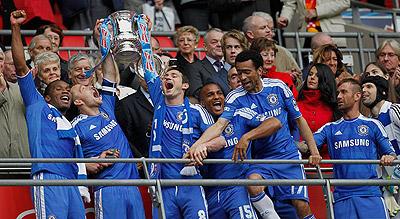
[
  {"x": 72, "y": 41},
  {"x": 68, "y": 41},
  {"x": 166, "y": 42}
]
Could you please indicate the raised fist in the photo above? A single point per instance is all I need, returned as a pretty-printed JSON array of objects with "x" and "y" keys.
[{"x": 18, "y": 17}]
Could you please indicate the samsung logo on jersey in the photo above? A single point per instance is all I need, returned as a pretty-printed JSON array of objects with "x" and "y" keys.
[
  {"x": 51, "y": 118},
  {"x": 172, "y": 126},
  {"x": 351, "y": 143},
  {"x": 104, "y": 131},
  {"x": 275, "y": 112},
  {"x": 231, "y": 142}
]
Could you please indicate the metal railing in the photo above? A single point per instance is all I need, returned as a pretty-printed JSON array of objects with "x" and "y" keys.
[
  {"x": 159, "y": 183},
  {"x": 297, "y": 50}
]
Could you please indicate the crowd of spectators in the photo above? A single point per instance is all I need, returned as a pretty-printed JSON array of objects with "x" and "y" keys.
[{"x": 321, "y": 89}]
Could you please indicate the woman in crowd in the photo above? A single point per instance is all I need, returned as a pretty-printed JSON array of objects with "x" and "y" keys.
[
  {"x": 268, "y": 50},
  {"x": 186, "y": 39},
  {"x": 317, "y": 99},
  {"x": 330, "y": 55},
  {"x": 375, "y": 69},
  {"x": 56, "y": 36}
]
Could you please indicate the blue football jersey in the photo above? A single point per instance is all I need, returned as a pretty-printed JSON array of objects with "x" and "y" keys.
[
  {"x": 243, "y": 121},
  {"x": 389, "y": 116},
  {"x": 42, "y": 132},
  {"x": 102, "y": 132},
  {"x": 275, "y": 99},
  {"x": 172, "y": 136},
  {"x": 359, "y": 138}
]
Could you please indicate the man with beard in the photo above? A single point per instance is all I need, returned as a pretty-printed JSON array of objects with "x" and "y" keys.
[
  {"x": 356, "y": 137},
  {"x": 374, "y": 95}
]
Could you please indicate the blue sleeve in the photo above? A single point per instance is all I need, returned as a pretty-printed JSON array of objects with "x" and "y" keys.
[
  {"x": 155, "y": 88},
  {"x": 29, "y": 93},
  {"x": 382, "y": 140},
  {"x": 108, "y": 96},
  {"x": 203, "y": 118},
  {"x": 321, "y": 136},
  {"x": 290, "y": 103},
  {"x": 231, "y": 105}
]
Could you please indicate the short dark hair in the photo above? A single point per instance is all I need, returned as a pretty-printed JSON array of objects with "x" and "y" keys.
[
  {"x": 208, "y": 82},
  {"x": 50, "y": 87},
  {"x": 252, "y": 55},
  {"x": 54, "y": 28},
  {"x": 353, "y": 82},
  {"x": 261, "y": 43},
  {"x": 185, "y": 79}
]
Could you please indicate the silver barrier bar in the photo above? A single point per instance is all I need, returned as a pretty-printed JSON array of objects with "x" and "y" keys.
[
  {"x": 201, "y": 182},
  {"x": 90, "y": 33},
  {"x": 16, "y": 161}
]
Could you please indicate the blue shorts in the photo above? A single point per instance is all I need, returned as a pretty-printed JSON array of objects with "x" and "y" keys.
[
  {"x": 184, "y": 202},
  {"x": 118, "y": 201},
  {"x": 233, "y": 202},
  {"x": 282, "y": 171},
  {"x": 62, "y": 202},
  {"x": 370, "y": 207}
]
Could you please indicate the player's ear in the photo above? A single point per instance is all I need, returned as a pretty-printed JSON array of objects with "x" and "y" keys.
[
  {"x": 185, "y": 86},
  {"x": 259, "y": 71},
  {"x": 47, "y": 98},
  {"x": 78, "y": 102}
]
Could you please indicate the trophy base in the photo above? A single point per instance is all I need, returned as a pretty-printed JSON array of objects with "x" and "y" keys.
[{"x": 126, "y": 57}]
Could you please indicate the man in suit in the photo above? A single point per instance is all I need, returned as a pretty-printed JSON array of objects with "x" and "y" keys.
[
  {"x": 211, "y": 68},
  {"x": 262, "y": 25},
  {"x": 134, "y": 114}
]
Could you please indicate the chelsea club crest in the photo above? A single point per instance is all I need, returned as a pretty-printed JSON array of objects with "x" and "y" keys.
[
  {"x": 228, "y": 130},
  {"x": 272, "y": 99},
  {"x": 362, "y": 130},
  {"x": 104, "y": 115},
  {"x": 182, "y": 116}
]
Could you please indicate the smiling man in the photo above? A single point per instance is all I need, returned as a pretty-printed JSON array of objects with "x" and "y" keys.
[
  {"x": 231, "y": 201},
  {"x": 47, "y": 139},
  {"x": 269, "y": 97},
  {"x": 77, "y": 65}
]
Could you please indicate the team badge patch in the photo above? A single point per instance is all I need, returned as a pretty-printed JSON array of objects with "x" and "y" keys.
[
  {"x": 181, "y": 116},
  {"x": 272, "y": 99},
  {"x": 52, "y": 217},
  {"x": 105, "y": 116},
  {"x": 362, "y": 130},
  {"x": 228, "y": 130}
]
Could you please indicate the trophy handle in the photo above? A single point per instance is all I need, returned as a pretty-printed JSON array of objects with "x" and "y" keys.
[{"x": 159, "y": 65}]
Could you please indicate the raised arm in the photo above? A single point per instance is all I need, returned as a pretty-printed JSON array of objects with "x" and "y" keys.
[
  {"x": 17, "y": 18},
  {"x": 307, "y": 135}
]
